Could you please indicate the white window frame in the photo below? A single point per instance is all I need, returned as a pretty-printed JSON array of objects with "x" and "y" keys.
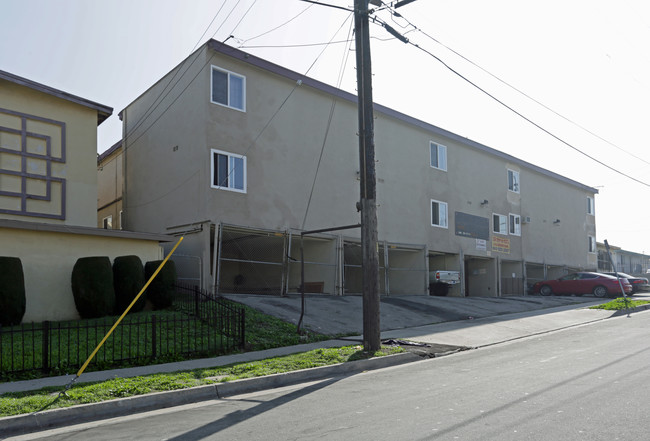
[
  {"x": 591, "y": 208},
  {"x": 516, "y": 182},
  {"x": 441, "y": 156},
  {"x": 503, "y": 221},
  {"x": 591, "y": 245},
  {"x": 514, "y": 224},
  {"x": 440, "y": 222},
  {"x": 107, "y": 222},
  {"x": 231, "y": 76},
  {"x": 231, "y": 182}
]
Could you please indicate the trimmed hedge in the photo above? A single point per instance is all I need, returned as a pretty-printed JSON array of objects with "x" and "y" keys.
[
  {"x": 92, "y": 287},
  {"x": 161, "y": 291},
  {"x": 128, "y": 280},
  {"x": 12, "y": 291}
]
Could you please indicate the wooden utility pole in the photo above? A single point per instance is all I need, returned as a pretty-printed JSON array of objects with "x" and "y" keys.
[{"x": 368, "y": 204}]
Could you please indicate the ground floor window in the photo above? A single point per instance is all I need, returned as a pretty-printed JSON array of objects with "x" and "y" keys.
[
  {"x": 228, "y": 171},
  {"x": 438, "y": 214},
  {"x": 500, "y": 224}
]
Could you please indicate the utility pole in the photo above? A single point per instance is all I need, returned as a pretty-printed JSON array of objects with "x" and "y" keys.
[{"x": 368, "y": 202}]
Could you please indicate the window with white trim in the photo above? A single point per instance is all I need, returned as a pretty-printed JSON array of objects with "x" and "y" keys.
[
  {"x": 228, "y": 89},
  {"x": 515, "y": 224},
  {"x": 499, "y": 223},
  {"x": 592, "y": 244},
  {"x": 108, "y": 222},
  {"x": 438, "y": 156},
  {"x": 228, "y": 171},
  {"x": 438, "y": 214},
  {"x": 513, "y": 181},
  {"x": 591, "y": 209}
]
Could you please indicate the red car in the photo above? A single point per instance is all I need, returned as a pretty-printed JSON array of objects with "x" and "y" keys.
[{"x": 600, "y": 285}]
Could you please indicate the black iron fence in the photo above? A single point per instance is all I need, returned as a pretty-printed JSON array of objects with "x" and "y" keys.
[{"x": 200, "y": 325}]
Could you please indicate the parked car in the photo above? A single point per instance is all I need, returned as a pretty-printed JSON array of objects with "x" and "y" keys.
[
  {"x": 638, "y": 283},
  {"x": 600, "y": 285}
]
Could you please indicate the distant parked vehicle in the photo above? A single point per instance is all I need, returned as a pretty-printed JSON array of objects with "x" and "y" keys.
[
  {"x": 600, "y": 285},
  {"x": 440, "y": 281},
  {"x": 638, "y": 283}
]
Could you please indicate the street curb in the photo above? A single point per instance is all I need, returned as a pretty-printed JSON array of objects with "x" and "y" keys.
[
  {"x": 639, "y": 308},
  {"x": 55, "y": 418}
]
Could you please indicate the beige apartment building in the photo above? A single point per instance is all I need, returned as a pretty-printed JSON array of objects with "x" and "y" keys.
[
  {"x": 109, "y": 188},
  {"x": 241, "y": 156},
  {"x": 48, "y": 193}
]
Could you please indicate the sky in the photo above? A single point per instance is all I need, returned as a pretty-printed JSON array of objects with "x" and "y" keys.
[{"x": 578, "y": 71}]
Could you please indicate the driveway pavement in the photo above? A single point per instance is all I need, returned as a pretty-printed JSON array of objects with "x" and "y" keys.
[{"x": 336, "y": 315}]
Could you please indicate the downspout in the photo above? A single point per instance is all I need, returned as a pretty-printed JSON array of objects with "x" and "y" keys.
[{"x": 125, "y": 214}]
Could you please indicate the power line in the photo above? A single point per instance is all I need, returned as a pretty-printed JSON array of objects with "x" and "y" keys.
[
  {"x": 294, "y": 45},
  {"x": 161, "y": 97},
  {"x": 548, "y": 132},
  {"x": 523, "y": 93},
  {"x": 265, "y": 126},
  {"x": 279, "y": 26},
  {"x": 329, "y": 124}
]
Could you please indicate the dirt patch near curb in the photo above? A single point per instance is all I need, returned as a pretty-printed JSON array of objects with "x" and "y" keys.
[{"x": 425, "y": 350}]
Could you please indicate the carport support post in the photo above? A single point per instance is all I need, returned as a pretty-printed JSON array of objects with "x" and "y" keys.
[{"x": 368, "y": 205}]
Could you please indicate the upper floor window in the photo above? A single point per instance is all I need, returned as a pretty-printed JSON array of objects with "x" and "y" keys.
[
  {"x": 438, "y": 214},
  {"x": 438, "y": 156},
  {"x": 499, "y": 224},
  {"x": 592, "y": 244},
  {"x": 228, "y": 171},
  {"x": 590, "y": 206},
  {"x": 228, "y": 89},
  {"x": 513, "y": 181},
  {"x": 515, "y": 224}
]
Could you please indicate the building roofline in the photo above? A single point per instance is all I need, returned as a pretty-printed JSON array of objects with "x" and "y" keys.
[
  {"x": 88, "y": 231},
  {"x": 109, "y": 151},
  {"x": 295, "y": 76},
  {"x": 103, "y": 112}
]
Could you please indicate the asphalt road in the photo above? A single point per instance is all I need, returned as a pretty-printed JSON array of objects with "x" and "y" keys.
[{"x": 583, "y": 383}]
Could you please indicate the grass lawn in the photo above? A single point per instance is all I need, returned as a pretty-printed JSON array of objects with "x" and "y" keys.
[
  {"x": 180, "y": 337},
  {"x": 26, "y": 402},
  {"x": 620, "y": 303}
]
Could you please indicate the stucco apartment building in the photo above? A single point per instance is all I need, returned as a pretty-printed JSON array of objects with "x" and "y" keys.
[
  {"x": 241, "y": 155},
  {"x": 48, "y": 193},
  {"x": 109, "y": 186}
]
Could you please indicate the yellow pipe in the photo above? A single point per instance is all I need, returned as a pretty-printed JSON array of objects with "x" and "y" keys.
[{"x": 108, "y": 334}]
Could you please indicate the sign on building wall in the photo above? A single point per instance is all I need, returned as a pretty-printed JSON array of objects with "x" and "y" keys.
[
  {"x": 468, "y": 225},
  {"x": 501, "y": 244}
]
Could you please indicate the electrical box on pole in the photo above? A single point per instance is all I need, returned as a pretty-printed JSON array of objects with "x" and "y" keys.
[{"x": 368, "y": 202}]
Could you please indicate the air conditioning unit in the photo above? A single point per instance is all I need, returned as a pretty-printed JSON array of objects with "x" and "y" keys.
[{"x": 526, "y": 219}]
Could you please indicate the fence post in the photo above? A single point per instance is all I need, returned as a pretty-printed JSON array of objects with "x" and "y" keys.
[
  {"x": 153, "y": 336},
  {"x": 196, "y": 300},
  {"x": 46, "y": 347},
  {"x": 242, "y": 337}
]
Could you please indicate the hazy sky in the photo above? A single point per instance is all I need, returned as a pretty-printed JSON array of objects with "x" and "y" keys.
[{"x": 586, "y": 60}]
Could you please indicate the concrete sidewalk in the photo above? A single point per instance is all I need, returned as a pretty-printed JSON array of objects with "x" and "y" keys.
[{"x": 469, "y": 333}]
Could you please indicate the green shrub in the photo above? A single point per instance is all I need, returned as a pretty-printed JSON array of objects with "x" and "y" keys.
[
  {"x": 161, "y": 289},
  {"x": 128, "y": 280},
  {"x": 12, "y": 291},
  {"x": 92, "y": 287}
]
